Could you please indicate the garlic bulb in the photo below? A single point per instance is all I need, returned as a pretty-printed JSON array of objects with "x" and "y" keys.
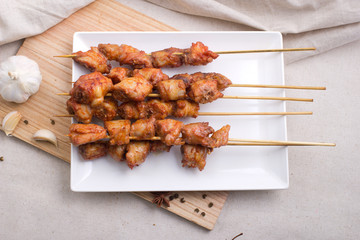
[
  {"x": 20, "y": 78},
  {"x": 45, "y": 135},
  {"x": 10, "y": 122}
]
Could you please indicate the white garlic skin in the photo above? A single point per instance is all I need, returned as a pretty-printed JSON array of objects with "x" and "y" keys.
[{"x": 20, "y": 78}]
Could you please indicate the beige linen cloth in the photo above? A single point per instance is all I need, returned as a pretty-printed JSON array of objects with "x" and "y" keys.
[{"x": 324, "y": 24}]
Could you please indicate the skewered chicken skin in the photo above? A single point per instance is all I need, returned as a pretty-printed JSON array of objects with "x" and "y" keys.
[
  {"x": 93, "y": 150},
  {"x": 93, "y": 59},
  {"x": 86, "y": 133}
]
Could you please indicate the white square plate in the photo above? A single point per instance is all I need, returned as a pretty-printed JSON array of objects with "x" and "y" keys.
[{"x": 227, "y": 168}]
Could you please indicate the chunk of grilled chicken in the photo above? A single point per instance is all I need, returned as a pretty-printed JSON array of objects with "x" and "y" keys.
[
  {"x": 93, "y": 59},
  {"x": 133, "y": 110},
  {"x": 143, "y": 128},
  {"x": 107, "y": 110},
  {"x": 93, "y": 150},
  {"x": 197, "y": 133},
  {"x": 118, "y": 74},
  {"x": 153, "y": 75},
  {"x": 167, "y": 58},
  {"x": 160, "y": 109},
  {"x": 137, "y": 151},
  {"x": 173, "y": 89},
  {"x": 204, "y": 91},
  {"x": 194, "y": 156},
  {"x": 119, "y": 131},
  {"x": 185, "y": 108},
  {"x": 91, "y": 89},
  {"x": 132, "y": 89},
  {"x": 86, "y": 133},
  {"x": 198, "y": 54},
  {"x": 169, "y": 131},
  {"x": 220, "y": 137},
  {"x": 82, "y": 112},
  {"x": 117, "y": 152}
]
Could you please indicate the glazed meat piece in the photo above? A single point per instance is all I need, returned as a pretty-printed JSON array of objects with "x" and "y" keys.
[
  {"x": 185, "y": 108},
  {"x": 118, "y": 74},
  {"x": 126, "y": 55},
  {"x": 82, "y": 112},
  {"x": 160, "y": 109},
  {"x": 93, "y": 60},
  {"x": 222, "y": 81},
  {"x": 137, "y": 152},
  {"x": 93, "y": 150},
  {"x": 167, "y": 58},
  {"x": 143, "y": 128},
  {"x": 158, "y": 146},
  {"x": 198, "y": 54},
  {"x": 91, "y": 89},
  {"x": 117, "y": 152},
  {"x": 119, "y": 131},
  {"x": 194, "y": 156},
  {"x": 204, "y": 91},
  {"x": 220, "y": 137},
  {"x": 169, "y": 131},
  {"x": 133, "y": 110},
  {"x": 171, "y": 89},
  {"x": 107, "y": 110},
  {"x": 132, "y": 89},
  {"x": 197, "y": 133},
  {"x": 153, "y": 75},
  {"x": 86, "y": 133},
  {"x": 187, "y": 78}
]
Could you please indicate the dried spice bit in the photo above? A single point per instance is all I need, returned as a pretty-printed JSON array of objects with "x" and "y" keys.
[
  {"x": 203, "y": 214},
  {"x": 160, "y": 199},
  {"x": 204, "y": 196},
  {"x": 171, "y": 198},
  {"x": 176, "y": 195},
  {"x": 26, "y": 122},
  {"x": 52, "y": 121},
  {"x": 1, "y": 158},
  {"x": 182, "y": 200},
  {"x": 210, "y": 205},
  {"x": 196, "y": 210}
]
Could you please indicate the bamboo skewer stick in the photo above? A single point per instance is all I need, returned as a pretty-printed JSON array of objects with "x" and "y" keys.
[
  {"x": 229, "y": 113},
  {"x": 251, "y": 142},
  {"x": 232, "y": 97},
  {"x": 235, "y": 52},
  {"x": 274, "y": 86}
]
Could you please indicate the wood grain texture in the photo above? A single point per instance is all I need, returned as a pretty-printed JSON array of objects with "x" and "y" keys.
[{"x": 56, "y": 72}]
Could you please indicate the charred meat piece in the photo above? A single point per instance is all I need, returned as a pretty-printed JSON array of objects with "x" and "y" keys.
[
  {"x": 222, "y": 81},
  {"x": 118, "y": 74},
  {"x": 168, "y": 58},
  {"x": 153, "y": 75},
  {"x": 160, "y": 109},
  {"x": 132, "y": 89},
  {"x": 187, "y": 78},
  {"x": 93, "y": 60},
  {"x": 198, "y": 54},
  {"x": 83, "y": 112},
  {"x": 194, "y": 156},
  {"x": 204, "y": 91},
  {"x": 126, "y": 55},
  {"x": 86, "y": 133},
  {"x": 119, "y": 131},
  {"x": 133, "y": 110},
  {"x": 197, "y": 133},
  {"x": 158, "y": 146},
  {"x": 169, "y": 131},
  {"x": 117, "y": 152},
  {"x": 91, "y": 89},
  {"x": 185, "y": 108},
  {"x": 93, "y": 150},
  {"x": 172, "y": 90},
  {"x": 137, "y": 152},
  {"x": 143, "y": 128},
  {"x": 220, "y": 137},
  {"x": 107, "y": 110}
]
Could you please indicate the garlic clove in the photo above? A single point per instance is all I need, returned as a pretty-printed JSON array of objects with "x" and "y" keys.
[
  {"x": 10, "y": 122},
  {"x": 45, "y": 135}
]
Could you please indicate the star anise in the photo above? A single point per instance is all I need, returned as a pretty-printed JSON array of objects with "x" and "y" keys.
[{"x": 160, "y": 198}]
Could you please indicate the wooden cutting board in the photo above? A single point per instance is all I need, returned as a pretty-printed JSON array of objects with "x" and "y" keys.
[{"x": 102, "y": 15}]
